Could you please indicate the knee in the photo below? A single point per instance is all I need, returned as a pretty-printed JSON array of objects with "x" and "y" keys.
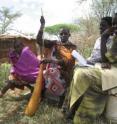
[{"x": 79, "y": 73}]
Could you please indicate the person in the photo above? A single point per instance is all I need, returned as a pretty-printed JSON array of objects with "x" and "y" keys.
[
  {"x": 111, "y": 86},
  {"x": 87, "y": 96},
  {"x": 60, "y": 52},
  {"x": 24, "y": 69},
  {"x": 106, "y": 22}
]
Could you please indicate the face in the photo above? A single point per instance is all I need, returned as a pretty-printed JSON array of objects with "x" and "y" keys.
[
  {"x": 64, "y": 35},
  {"x": 114, "y": 23},
  {"x": 18, "y": 46},
  {"x": 103, "y": 26}
]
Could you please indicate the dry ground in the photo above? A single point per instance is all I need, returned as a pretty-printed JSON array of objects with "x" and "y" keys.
[
  {"x": 12, "y": 107},
  {"x": 13, "y": 104}
]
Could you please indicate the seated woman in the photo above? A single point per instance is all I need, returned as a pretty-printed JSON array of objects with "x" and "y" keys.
[
  {"x": 88, "y": 92},
  {"x": 24, "y": 70},
  {"x": 105, "y": 23}
]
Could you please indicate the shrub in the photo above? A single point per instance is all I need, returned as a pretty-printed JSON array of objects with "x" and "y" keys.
[{"x": 4, "y": 72}]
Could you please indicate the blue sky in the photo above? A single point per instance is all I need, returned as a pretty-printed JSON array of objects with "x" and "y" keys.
[{"x": 55, "y": 11}]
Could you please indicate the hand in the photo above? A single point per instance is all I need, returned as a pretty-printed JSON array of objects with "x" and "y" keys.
[
  {"x": 45, "y": 61},
  {"x": 42, "y": 20},
  {"x": 109, "y": 31},
  {"x": 58, "y": 43},
  {"x": 106, "y": 65}
]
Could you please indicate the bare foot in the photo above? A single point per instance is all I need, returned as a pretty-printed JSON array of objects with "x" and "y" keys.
[{"x": 1, "y": 94}]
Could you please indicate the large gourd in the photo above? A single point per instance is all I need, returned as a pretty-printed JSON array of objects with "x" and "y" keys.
[{"x": 36, "y": 96}]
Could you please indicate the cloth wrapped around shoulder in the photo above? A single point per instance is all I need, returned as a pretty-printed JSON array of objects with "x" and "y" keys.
[{"x": 64, "y": 52}]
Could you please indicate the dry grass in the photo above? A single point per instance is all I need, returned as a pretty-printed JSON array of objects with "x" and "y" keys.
[
  {"x": 12, "y": 112},
  {"x": 12, "y": 107}
]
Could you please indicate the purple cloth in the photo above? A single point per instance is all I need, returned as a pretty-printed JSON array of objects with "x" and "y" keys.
[{"x": 26, "y": 66}]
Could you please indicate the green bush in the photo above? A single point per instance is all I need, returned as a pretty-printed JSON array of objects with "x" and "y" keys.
[{"x": 4, "y": 72}]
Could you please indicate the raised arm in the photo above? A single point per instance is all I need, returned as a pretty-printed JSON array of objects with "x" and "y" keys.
[
  {"x": 40, "y": 32},
  {"x": 104, "y": 39}
]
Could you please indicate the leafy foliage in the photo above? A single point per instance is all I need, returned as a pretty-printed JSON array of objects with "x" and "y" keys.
[
  {"x": 4, "y": 72},
  {"x": 55, "y": 28},
  {"x": 86, "y": 37},
  {"x": 102, "y": 8},
  {"x": 88, "y": 26},
  {"x": 7, "y": 17}
]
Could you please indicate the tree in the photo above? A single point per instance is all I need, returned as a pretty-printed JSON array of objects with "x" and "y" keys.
[
  {"x": 87, "y": 34},
  {"x": 7, "y": 17},
  {"x": 102, "y": 8},
  {"x": 56, "y": 28},
  {"x": 88, "y": 25}
]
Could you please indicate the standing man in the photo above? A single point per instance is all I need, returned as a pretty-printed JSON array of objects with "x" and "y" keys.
[{"x": 61, "y": 51}]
